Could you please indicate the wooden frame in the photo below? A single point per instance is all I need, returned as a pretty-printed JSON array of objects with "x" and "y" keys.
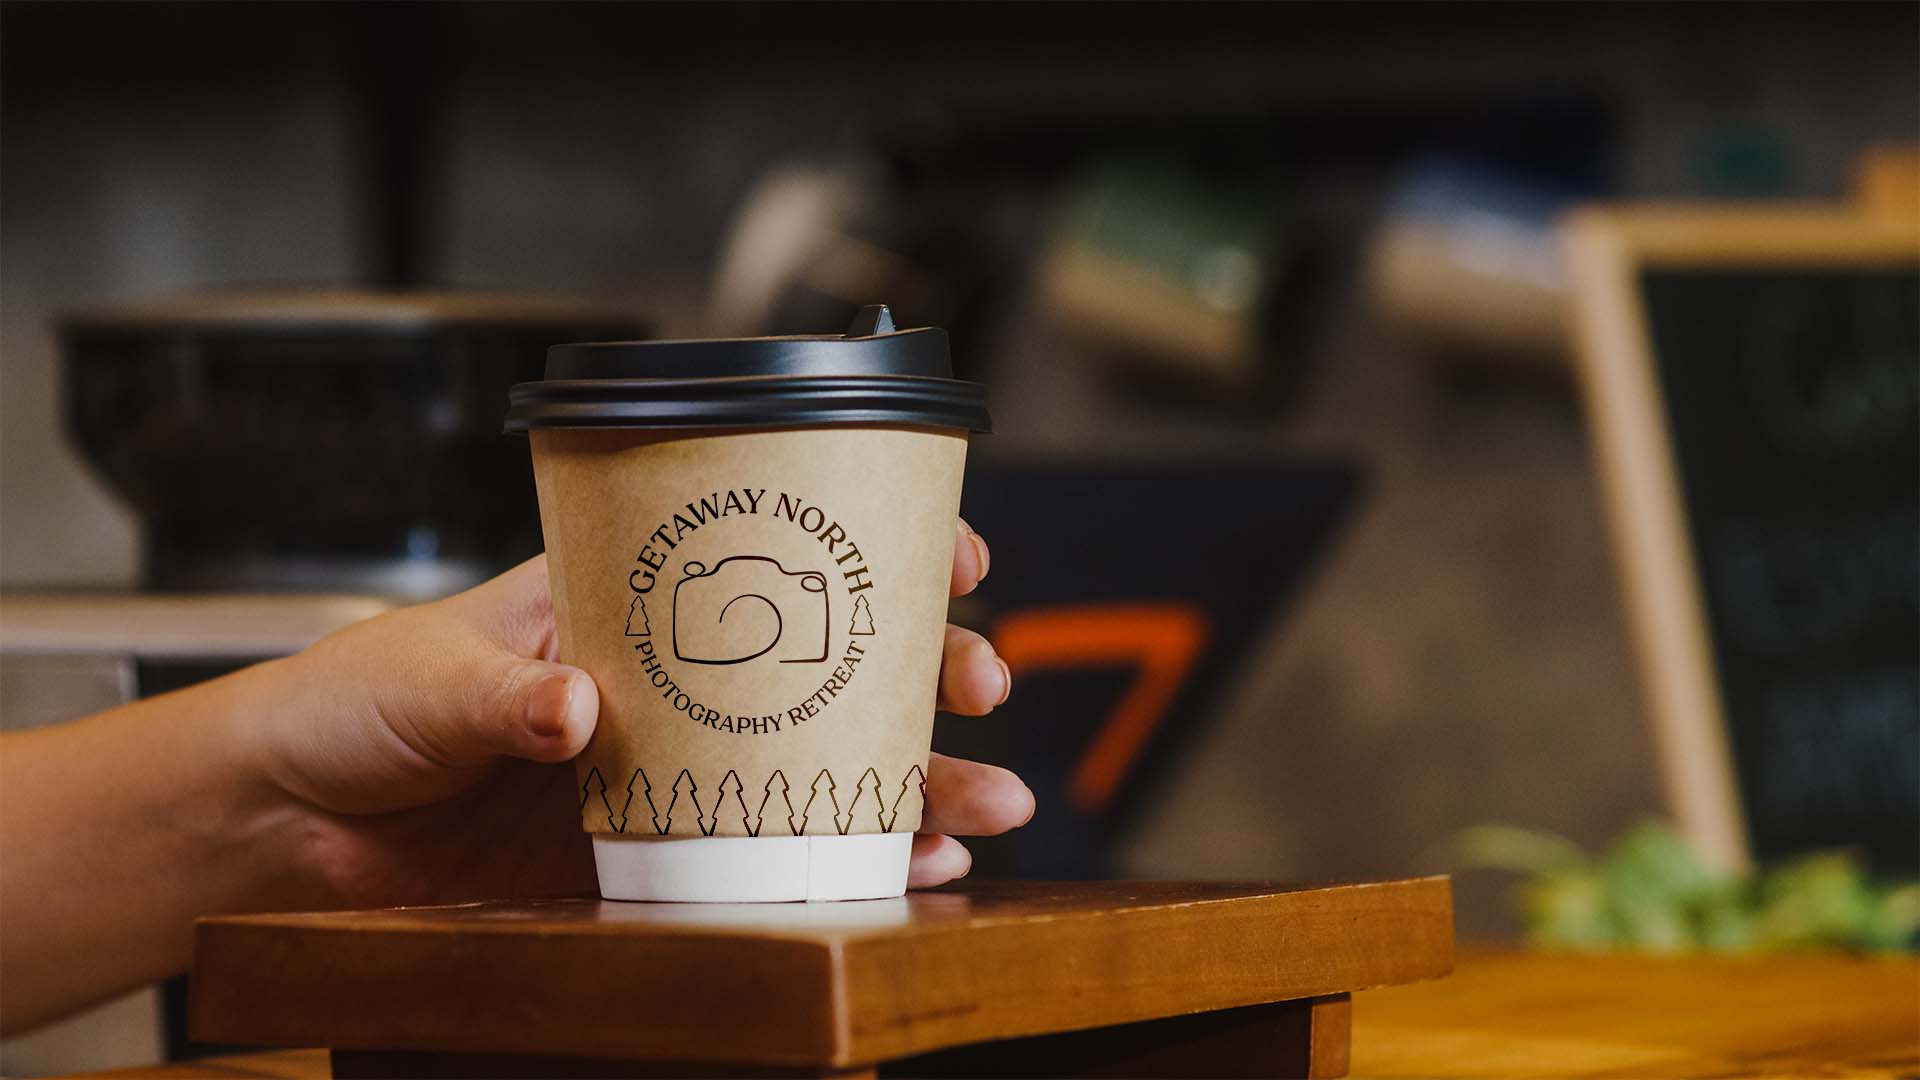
[{"x": 1607, "y": 249}]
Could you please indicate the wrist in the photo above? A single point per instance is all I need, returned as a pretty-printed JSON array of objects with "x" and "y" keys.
[{"x": 267, "y": 821}]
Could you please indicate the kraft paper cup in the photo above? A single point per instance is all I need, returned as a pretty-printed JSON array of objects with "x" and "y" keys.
[{"x": 757, "y": 582}]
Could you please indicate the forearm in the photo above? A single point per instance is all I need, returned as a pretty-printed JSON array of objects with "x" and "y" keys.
[{"x": 118, "y": 830}]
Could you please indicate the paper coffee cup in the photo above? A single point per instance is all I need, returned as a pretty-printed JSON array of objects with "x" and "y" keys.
[{"x": 749, "y": 543}]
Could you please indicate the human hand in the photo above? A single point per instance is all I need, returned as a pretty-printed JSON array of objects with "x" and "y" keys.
[{"x": 427, "y": 749}]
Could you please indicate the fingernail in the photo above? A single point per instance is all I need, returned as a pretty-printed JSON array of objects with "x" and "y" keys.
[
  {"x": 1033, "y": 807},
  {"x": 547, "y": 706},
  {"x": 1006, "y": 681},
  {"x": 980, "y": 553}
]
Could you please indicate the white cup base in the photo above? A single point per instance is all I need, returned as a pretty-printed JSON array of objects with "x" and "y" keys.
[{"x": 745, "y": 869}]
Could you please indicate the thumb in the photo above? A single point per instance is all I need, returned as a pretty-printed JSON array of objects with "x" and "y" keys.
[{"x": 524, "y": 708}]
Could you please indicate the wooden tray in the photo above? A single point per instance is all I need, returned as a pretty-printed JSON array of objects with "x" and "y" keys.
[{"x": 1178, "y": 978}]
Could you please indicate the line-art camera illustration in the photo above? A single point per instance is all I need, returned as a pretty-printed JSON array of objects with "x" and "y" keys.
[{"x": 747, "y": 607}]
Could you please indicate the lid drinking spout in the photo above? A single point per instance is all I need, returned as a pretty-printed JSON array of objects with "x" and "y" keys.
[{"x": 873, "y": 320}]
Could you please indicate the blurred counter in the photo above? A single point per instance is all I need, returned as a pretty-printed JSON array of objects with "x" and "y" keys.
[
  {"x": 234, "y": 626},
  {"x": 1515, "y": 1014}
]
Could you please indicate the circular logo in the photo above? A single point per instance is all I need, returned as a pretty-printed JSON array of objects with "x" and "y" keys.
[{"x": 752, "y": 610}]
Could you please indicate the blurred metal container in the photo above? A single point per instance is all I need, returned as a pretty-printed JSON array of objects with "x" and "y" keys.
[{"x": 319, "y": 440}]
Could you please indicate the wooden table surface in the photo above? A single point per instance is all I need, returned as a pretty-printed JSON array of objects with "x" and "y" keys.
[
  {"x": 830, "y": 985},
  {"x": 1510, "y": 1014}
]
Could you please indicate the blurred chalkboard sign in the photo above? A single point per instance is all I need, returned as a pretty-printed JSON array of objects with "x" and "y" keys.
[{"x": 1753, "y": 378}]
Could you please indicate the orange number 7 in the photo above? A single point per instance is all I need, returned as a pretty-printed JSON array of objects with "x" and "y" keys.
[{"x": 1161, "y": 640}]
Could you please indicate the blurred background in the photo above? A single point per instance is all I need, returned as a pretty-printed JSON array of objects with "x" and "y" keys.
[{"x": 1271, "y": 303}]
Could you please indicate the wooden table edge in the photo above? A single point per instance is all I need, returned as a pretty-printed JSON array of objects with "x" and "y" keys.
[
  {"x": 1434, "y": 892},
  {"x": 850, "y": 956}
]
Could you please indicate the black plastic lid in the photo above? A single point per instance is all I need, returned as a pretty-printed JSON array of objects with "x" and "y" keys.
[{"x": 873, "y": 374}]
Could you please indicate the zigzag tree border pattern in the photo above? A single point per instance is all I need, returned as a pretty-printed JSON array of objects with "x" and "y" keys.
[{"x": 641, "y": 808}]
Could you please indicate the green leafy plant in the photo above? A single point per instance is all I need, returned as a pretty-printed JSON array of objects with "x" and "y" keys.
[{"x": 1652, "y": 891}]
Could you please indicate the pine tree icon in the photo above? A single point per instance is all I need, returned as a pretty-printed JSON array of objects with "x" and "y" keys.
[
  {"x": 862, "y": 618},
  {"x": 637, "y": 622}
]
